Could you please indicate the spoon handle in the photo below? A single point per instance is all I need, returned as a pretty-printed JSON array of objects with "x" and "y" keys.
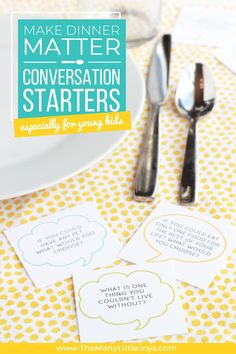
[
  {"x": 146, "y": 174},
  {"x": 188, "y": 192}
]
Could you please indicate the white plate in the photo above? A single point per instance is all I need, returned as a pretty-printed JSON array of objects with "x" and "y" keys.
[{"x": 30, "y": 164}]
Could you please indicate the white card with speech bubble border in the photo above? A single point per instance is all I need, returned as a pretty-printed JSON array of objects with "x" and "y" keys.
[
  {"x": 128, "y": 302},
  {"x": 196, "y": 244},
  {"x": 52, "y": 247}
]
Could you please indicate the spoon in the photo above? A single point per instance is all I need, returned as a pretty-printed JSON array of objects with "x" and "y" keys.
[{"x": 195, "y": 97}]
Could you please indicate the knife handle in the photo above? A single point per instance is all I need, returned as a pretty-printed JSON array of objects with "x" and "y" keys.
[
  {"x": 147, "y": 167},
  {"x": 188, "y": 186}
]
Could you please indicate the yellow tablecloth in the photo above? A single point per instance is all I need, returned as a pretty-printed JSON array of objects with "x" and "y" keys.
[{"x": 29, "y": 314}]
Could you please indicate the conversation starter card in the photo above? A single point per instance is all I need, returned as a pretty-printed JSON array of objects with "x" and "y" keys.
[
  {"x": 208, "y": 26},
  {"x": 128, "y": 302},
  {"x": 52, "y": 247},
  {"x": 196, "y": 244},
  {"x": 227, "y": 55}
]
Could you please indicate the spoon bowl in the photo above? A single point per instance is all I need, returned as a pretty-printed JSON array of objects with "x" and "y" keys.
[
  {"x": 195, "y": 97},
  {"x": 195, "y": 94}
]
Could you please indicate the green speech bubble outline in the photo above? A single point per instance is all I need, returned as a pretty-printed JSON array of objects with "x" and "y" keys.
[{"x": 139, "y": 326}]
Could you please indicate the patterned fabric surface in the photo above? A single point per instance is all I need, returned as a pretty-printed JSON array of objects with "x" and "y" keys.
[{"x": 48, "y": 315}]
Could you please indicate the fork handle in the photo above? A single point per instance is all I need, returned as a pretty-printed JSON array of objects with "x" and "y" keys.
[
  {"x": 147, "y": 168},
  {"x": 188, "y": 186}
]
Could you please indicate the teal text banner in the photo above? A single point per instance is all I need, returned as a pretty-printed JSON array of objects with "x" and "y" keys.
[{"x": 71, "y": 66}]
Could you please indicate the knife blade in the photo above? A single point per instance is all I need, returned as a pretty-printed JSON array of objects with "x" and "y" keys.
[{"x": 157, "y": 87}]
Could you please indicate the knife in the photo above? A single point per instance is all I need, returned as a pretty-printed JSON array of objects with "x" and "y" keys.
[{"x": 157, "y": 87}]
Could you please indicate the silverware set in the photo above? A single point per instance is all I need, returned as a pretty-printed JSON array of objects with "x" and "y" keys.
[{"x": 195, "y": 97}]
